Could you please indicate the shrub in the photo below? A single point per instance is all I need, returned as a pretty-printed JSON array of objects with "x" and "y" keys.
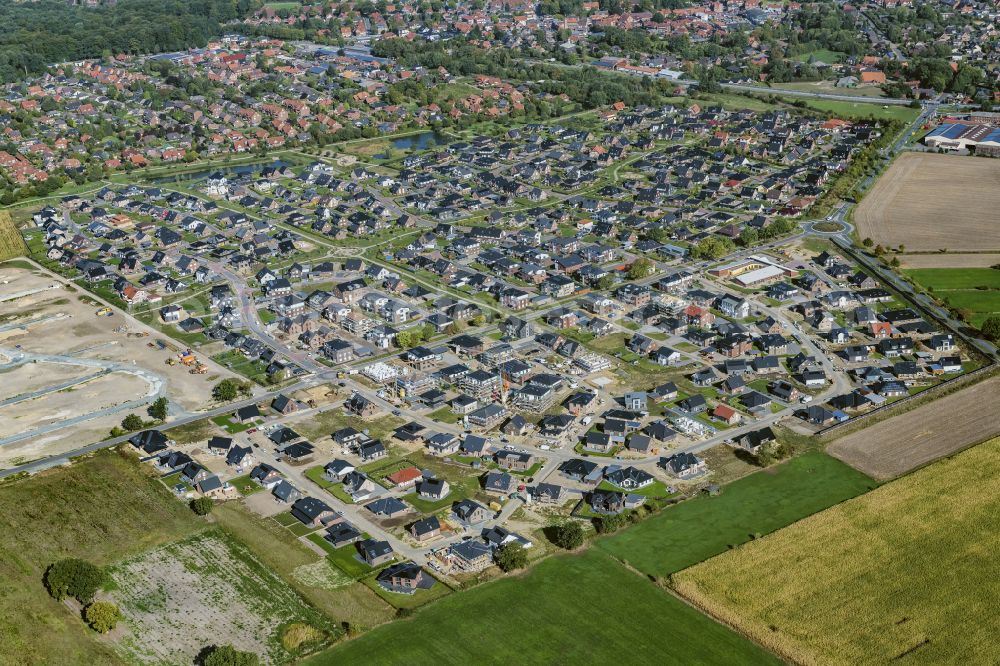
[
  {"x": 74, "y": 578},
  {"x": 227, "y": 655},
  {"x": 568, "y": 535},
  {"x": 132, "y": 422},
  {"x": 202, "y": 505},
  {"x": 102, "y": 616},
  {"x": 991, "y": 328},
  {"x": 229, "y": 389},
  {"x": 611, "y": 523},
  {"x": 511, "y": 556},
  {"x": 298, "y": 634}
]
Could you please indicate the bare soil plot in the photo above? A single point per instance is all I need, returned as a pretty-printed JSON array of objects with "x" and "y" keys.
[
  {"x": 60, "y": 324},
  {"x": 950, "y": 260},
  {"x": 91, "y": 336},
  {"x": 907, "y": 441},
  {"x": 206, "y": 590},
  {"x": 927, "y": 201},
  {"x": 67, "y": 404}
]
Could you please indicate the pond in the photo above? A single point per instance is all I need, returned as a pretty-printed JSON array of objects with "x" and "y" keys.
[{"x": 421, "y": 141}]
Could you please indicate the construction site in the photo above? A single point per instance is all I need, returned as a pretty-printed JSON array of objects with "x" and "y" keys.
[{"x": 73, "y": 367}]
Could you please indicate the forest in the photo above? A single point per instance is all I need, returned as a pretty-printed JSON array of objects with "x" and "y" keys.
[{"x": 38, "y": 34}]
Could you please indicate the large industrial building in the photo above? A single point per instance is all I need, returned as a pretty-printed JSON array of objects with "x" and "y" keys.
[{"x": 984, "y": 139}]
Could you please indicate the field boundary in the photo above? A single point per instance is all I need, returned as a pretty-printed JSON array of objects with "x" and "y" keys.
[
  {"x": 906, "y": 404},
  {"x": 691, "y": 594}
]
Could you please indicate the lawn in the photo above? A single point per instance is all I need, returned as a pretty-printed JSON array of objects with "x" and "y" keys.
[
  {"x": 905, "y": 573},
  {"x": 584, "y": 609},
  {"x": 973, "y": 289},
  {"x": 822, "y": 55},
  {"x": 444, "y": 415},
  {"x": 317, "y": 426},
  {"x": 102, "y": 508},
  {"x": 702, "y": 527},
  {"x": 657, "y": 489},
  {"x": 315, "y": 474},
  {"x": 232, "y": 427},
  {"x": 863, "y": 110},
  {"x": 344, "y": 558},
  {"x": 255, "y": 370},
  {"x": 245, "y": 485}
]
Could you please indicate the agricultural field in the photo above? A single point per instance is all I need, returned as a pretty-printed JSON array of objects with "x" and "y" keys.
[
  {"x": 559, "y": 612},
  {"x": 950, "y": 260},
  {"x": 905, "y": 573},
  {"x": 11, "y": 243},
  {"x": 700, "y": 528},
  {"x": 955, "y": 279},
  {"x": 973, "y": 289},
  {"x": 103, "y": 508},
  {"x": 920, "y": 191},
  {"x": 902, "y": 443},
  {"x": 205, "y": 590}
]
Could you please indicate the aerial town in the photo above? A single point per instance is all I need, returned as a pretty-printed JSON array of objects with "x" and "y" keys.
[{"x": 418, "y": 333}]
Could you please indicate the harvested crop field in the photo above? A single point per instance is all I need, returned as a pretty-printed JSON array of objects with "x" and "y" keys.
[
  {"x": 206, "y": 590},
  {"x": 928, "y": 202},
  {"x": 907, "y": 441},
  {"x": 950, "y": 260},
  {"x": 906, "y": 573}
]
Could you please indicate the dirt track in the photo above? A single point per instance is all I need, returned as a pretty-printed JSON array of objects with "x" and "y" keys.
[
  {"x": 907, "y": 441},
  {"x": 928, "y": 201}
]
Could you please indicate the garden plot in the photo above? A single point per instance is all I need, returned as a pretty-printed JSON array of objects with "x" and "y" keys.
[{"x": 203, "y": 591}]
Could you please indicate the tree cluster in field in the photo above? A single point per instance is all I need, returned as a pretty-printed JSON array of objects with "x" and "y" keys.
[
  {"x": 412, "y": 337},
  {"x": 568, "y": 535},
  {"x": 230, "y": 389},
  {"x": 74, "y": 578},
  {"x": 511, "y": 556},
  {"x": 991, "y": 328},
  {"x": 202, "y": 506},
  {"x": 78, "y": 579},
  {"x": 133, "y": 422},
  {"x": 37, "y": 34}
]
